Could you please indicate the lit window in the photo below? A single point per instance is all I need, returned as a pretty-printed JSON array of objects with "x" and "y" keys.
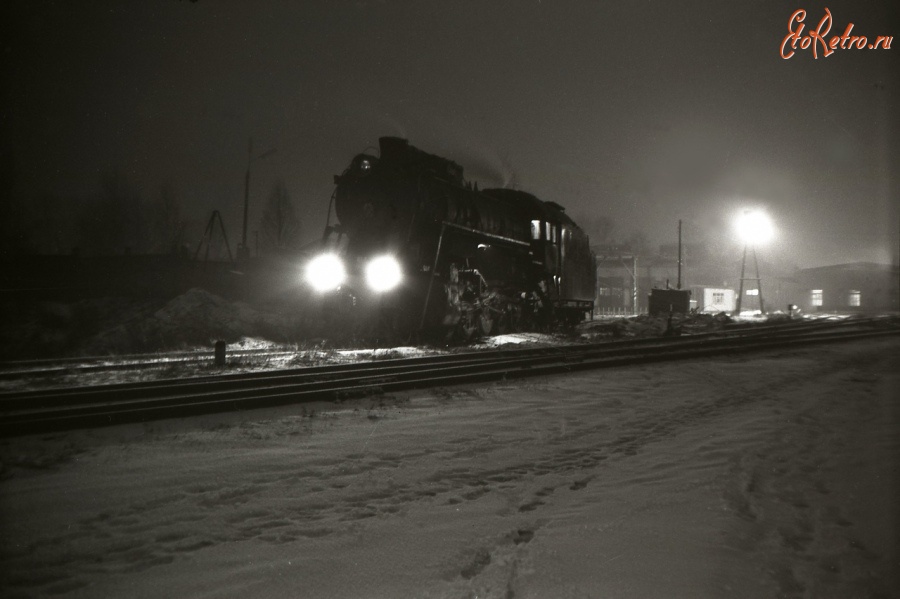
[
  {"x": 854, "y": 298},
  {"x": 535, "y": 229},
  {"x": 815, "y": 297},
  {"x": 547, "y": 232}
]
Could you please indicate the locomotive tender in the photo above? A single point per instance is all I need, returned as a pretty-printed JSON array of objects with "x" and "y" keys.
[{"x": 426, "y": 250}]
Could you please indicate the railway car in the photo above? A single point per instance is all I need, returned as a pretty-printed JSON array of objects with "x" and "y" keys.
[{"x": 418, "y": 248}]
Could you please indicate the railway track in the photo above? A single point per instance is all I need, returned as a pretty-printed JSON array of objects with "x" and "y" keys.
[
  {"x": 19, "y": 369},
  {"x": 38, "y": 411},
  {"x": 51, "y": 367}
]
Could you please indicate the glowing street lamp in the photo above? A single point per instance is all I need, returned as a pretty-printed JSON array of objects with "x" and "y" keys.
[{"x": 753, "y": 228}]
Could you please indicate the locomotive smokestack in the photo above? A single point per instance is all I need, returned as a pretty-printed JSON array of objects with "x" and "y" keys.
[
  {"x": 397, "y": 152},
  {"x": 392, "y": 148}
]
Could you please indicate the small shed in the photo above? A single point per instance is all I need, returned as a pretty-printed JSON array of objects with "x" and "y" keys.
[{"x": 664, "y": 301}]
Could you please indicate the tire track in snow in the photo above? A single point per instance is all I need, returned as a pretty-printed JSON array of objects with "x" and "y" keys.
[{"x": 790, "y": 494}]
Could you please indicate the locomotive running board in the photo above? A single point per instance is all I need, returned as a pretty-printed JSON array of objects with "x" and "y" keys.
[{"x": 478, "y": 233}]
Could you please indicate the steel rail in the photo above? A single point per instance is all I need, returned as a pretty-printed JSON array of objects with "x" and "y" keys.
[
  {"x": 106, "y": 406},
  {"x": 49, "y": 397},
  {"x": 149, "y": 359},
  {"x": 50, "y": 366},
  {"x": 157, "y": 388},
  {"x": 160, "y": 361},
  {"x": 17, "y": 369}
]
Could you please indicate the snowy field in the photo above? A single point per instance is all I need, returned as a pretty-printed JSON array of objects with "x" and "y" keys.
[{"x": 772, "y": 475}]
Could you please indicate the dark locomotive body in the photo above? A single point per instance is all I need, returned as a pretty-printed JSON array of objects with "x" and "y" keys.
[{"x": 472, "y": 261}]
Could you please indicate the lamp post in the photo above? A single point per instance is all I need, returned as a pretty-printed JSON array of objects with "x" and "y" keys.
[
  {"x": 753, "y": 228},
  {"x": 243, "y": 250}
]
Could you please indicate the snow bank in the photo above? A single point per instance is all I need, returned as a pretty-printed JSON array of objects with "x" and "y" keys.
[
  {"x": 195, "y": 318},
  {"x": 108, "y": 326},
  {"x": 644, "y": 325}
]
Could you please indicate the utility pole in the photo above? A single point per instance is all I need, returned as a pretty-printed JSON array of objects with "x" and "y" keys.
[
  {"x": 243, "y": 250},
  {"x": 679, "y": 253},
  {"x": 634, "y": 282}
]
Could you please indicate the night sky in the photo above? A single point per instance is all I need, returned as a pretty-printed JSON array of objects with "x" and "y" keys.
[{"x": 642, "y": 112}]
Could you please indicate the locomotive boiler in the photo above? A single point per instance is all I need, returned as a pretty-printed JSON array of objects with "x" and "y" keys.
[{"x": 419, "y": 249}]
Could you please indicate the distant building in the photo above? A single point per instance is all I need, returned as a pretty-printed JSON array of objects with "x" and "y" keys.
[
  {"x": 625, "y": 281},
  {"x": 855, "y": 287},
  {"x": 712, "y": 299}
]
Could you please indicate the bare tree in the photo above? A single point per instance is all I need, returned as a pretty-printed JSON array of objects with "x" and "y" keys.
[
  {"x": 279, "y": 224},
  {"x": 113, "y": 222},
  {"x": 166, "y": 224}
]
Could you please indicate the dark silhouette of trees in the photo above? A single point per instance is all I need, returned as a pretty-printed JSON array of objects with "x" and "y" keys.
[
  {"x": 119, "y": 220},
  {"x": 115, "y": 220},
  {"x": 279, "y": 226},
  {"x": 112, "y": 222}
]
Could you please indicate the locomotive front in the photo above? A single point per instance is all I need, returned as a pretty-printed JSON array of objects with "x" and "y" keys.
[
  {"x": 362, "y": 252},
  {"x": 416, "y": 247},
  {"x": 370, "y": 256}
]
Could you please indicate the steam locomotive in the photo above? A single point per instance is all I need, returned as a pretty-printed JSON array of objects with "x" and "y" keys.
[{"x": 419, "y": 249}]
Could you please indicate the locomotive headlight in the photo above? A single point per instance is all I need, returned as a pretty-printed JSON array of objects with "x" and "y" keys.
[
  {"x": 325, "y": 272},
  {"x": 383, "y": 273}
]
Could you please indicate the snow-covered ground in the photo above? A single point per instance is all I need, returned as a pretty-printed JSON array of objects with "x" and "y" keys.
[{"x": 754, "y": 476}]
